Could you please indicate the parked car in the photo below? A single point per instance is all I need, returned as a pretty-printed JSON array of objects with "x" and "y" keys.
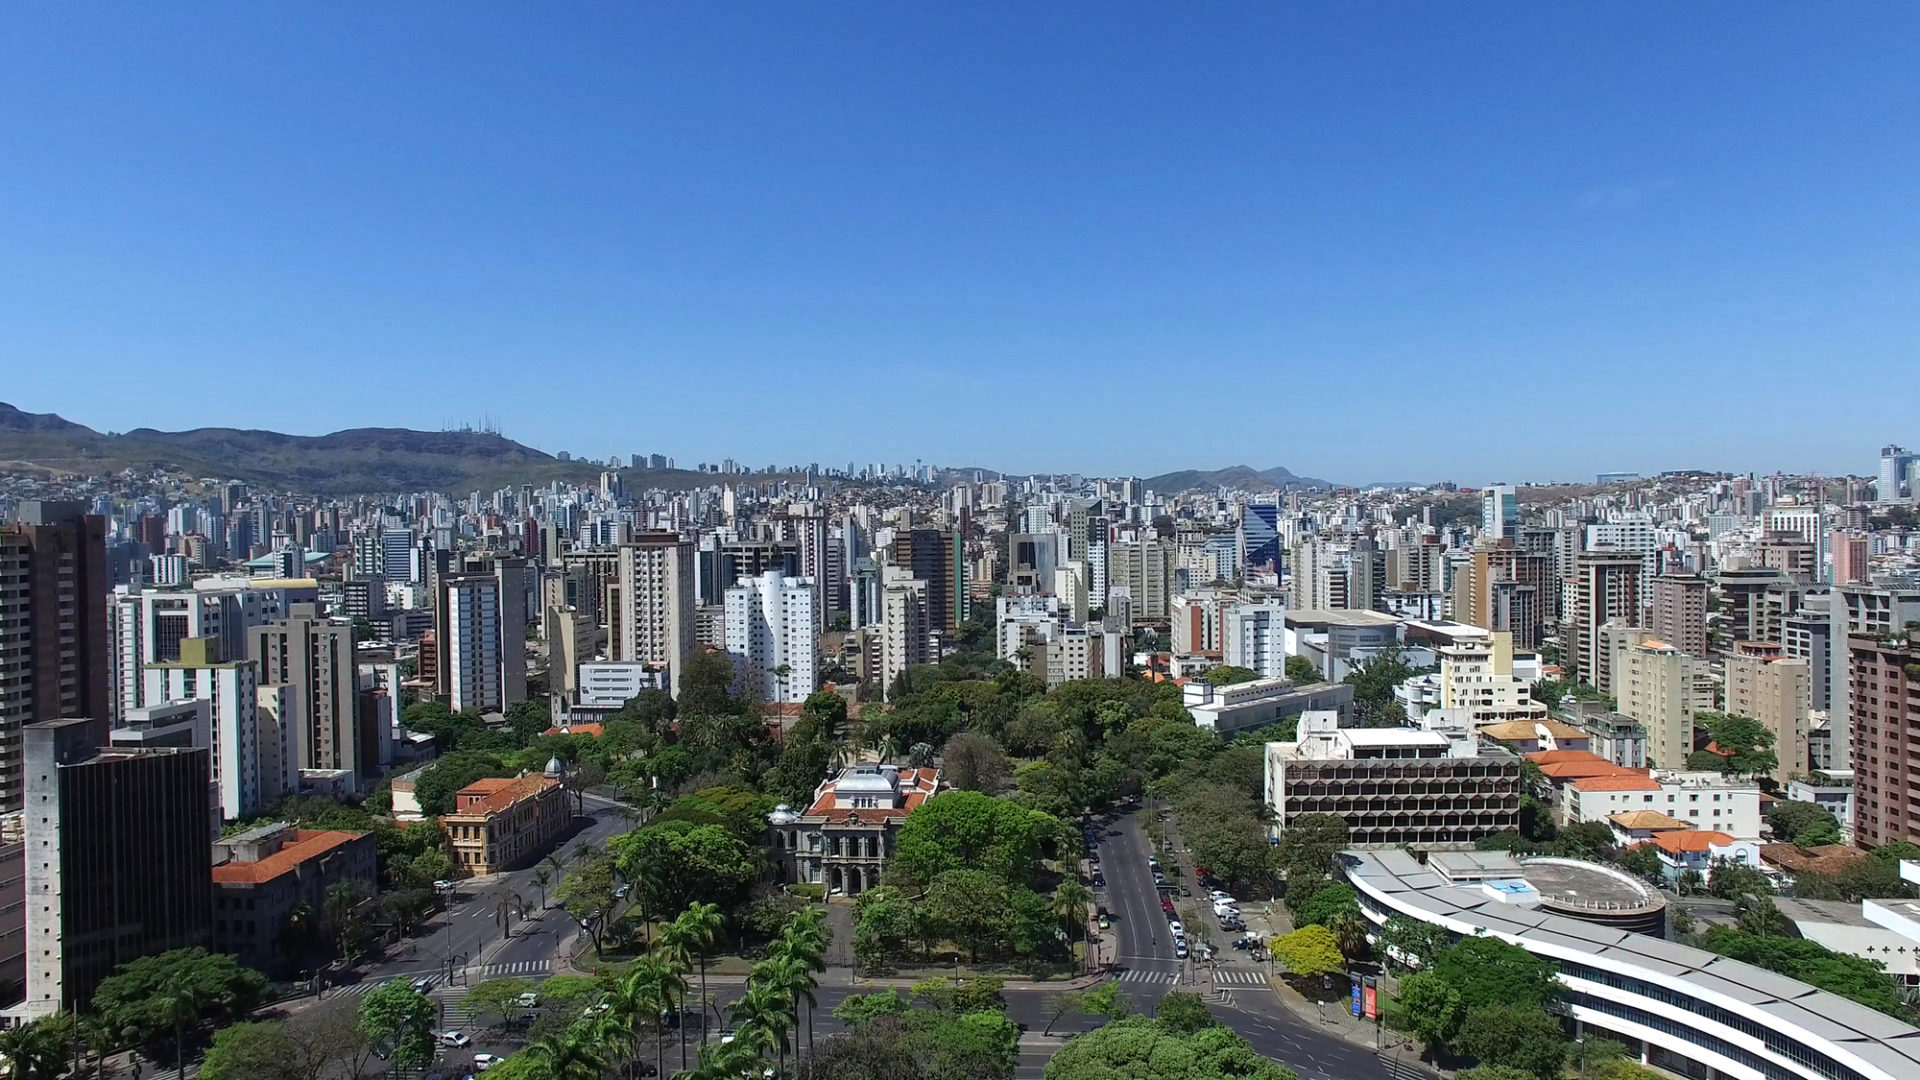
[
  {"x": 527, "y": 1001},
  {"x": 1179, "y": 929},
  {"x": 443, "y": 886},
  {"x": 1105, "y": 921},
  {"x": 1166, "y": 904},
  {"x": 483, "y": 1062},
  {"x": 1180, "y": 948}
]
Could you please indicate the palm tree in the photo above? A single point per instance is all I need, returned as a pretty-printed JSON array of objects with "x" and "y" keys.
[
  {"x": 794, "y": 981},
  {"x": 782, "y": 673},
  {"x": 729, "y": 1061},
  {"x": 181, "y": 1002},
  {"x": 632, "y": 1004},
  {"x": 804, "y": 941},
  {"x": 571, "y": 1056},
  {"x": 1070, "y": 904},
  {"x": 703, "y": 929},
  {"x": 541, "y": 879},
  {"x": 32, "y": 1051},
  {"x": 761, "y": 1017},
  {"x": 674, "y": 948}
]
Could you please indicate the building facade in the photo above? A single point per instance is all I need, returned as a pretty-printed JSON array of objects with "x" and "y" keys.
[
  {"x": 263, "y": 874},
  {"x": 1884, "y": 684},
  {"x": 845, "y": 837},
  {"x": 1773, "y": 688},
  {"x": 504, "y": 824},
  {"x": 53, "y": 626},
  {"x": 770, "y": 636},
  {"x": 656, "y": 602}
]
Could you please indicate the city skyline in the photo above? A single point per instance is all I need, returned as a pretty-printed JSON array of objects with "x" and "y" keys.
[{"x": 884, "y": 234}]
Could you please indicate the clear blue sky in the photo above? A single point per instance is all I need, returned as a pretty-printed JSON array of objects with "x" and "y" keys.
[{"x": 1368, "y": 242}]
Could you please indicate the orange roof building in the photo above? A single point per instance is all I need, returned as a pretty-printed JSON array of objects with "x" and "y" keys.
[
  {"x": 262, "y": 875},
  {"x": 843, "y": 840},
  {"x": 505, "y": 823},
  {"x": 1691, "y": 841}
]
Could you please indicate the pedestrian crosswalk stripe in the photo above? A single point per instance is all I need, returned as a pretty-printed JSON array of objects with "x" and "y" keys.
[
  {"x": 468, "y": 976},
  {"x": 1238, "y": 977},
  {"x": 1149, "y": 976}
]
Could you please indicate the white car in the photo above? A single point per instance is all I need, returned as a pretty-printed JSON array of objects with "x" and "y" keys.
[
  {"x": 526, "y": 1001},
  {"x": 452, "y": 1038},
  {"x": 1221, "y": 896},
  {"x": 483, "y": 1062},
  {"x": 1179, "y": 931},
  {"x": 443, "y": 886}
]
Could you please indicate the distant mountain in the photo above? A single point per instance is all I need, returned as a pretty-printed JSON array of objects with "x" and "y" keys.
[
  {"x": 1238, "y": 477},
  {"x": 357, "y": 460}
]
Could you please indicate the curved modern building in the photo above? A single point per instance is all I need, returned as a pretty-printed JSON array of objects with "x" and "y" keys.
[{"x": 1686, "y": 1010}]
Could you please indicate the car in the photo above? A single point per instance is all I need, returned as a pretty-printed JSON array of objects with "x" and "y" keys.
[
  {"x": 1160, "y": 880},
  {"x": 1179, "y": 929},
  {"x": 1099, "y": 880},
  {"x": 620, "y": 891},
  {"x": 1153, "y": 863},
  {"x": 443, "y": 886},
  {"x": 1166, "y": 904},
  {"x": 1180, "y": 948},
  {"x": 423, "y": 984},
  {"x": 451, "y": 1038},
  {"x": 728, "y": 1036},
  {"x": 526, "y": 1001},
  {"x": 1105, "y": 921},
  {"x": 483, "y": 1062}
]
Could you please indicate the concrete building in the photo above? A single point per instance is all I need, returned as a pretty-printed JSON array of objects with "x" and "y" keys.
[
  {"x": 1702, "y": 800},
  {"x": 1477, "y": 676},
  {"x": 1199, "y": 620},
  {"x": 504, "y": 824},
  {"x": 1226, "y": 710},
  {"x": 1679, "y": 614},
  {"x": 906, "y": 633},
  {"x": 231, "y": 689},
  {"x": 1655, "y": 685},
  {"x": 1767, "y": 685},
  {"x": 1884, "y": 687},
  {"x": 467, "y": 642},
  {"x": 656, "y": 623},
  {"x": 1685, "y": 1010},
  {"x": 1871, "y": 610},
  {"x": 314, "y": 658},
  {"x": 53, "y": 626},
  {"x": 1393, "y": 786},
  {"x": 1807, "y": 635},
  {"x": 260, "y": 876},
  {"x": 770, "y": 636},
  {"x": 937, "y": 557},
  {"x": 1254, "y": 635},
  {"x": 1499, "y": 513},
  {"x": 1605, "y": 586},
  {"x": 1506, "y": 589},
  {"x": 1145, "y": 569},
  {"x": 121, "y": 864},
  {"x": 845, "y": 837}
]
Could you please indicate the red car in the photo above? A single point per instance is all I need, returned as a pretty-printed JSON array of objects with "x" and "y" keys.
[{"x": 1166, "y": 904}]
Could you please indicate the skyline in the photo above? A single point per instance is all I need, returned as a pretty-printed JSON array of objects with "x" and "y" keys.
[{"x": 985, "y": 237}]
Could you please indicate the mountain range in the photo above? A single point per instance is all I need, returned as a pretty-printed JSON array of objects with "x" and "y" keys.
[{"x": 1237, "y": 477}]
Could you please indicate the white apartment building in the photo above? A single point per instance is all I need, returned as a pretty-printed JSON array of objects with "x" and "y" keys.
[
  {"x": 231, "y": 690},
  {"x": 1254, "y": 635},
  {"x": 1070, "y": 585},
  {"x": 770, "y": 635},
  {"x": 471, "y": 652},
  {"x": 1145, "y": 569},
  {"x": 1704, "y": 800},
  {"x": 1477, "y": 675},
  {"x": 608, "y": 686},
  {"x": 1198, "y": 618},
  {"x": 1655, "y": 684},
  {"x": 147, "y": 626}
]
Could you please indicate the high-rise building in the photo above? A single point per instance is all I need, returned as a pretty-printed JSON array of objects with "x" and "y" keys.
[
  {"x": 1655, "y": 685},
  {"x": 1145, "y": 569},
  {"x": 1499, "y": 512},
  {"x": 1899, "y": 475},
  {"x": 1507, "y": 593},
  {"x": 1771, "y": 687},
  {"x": 314, "y": 658},
  {"x": 1808, "y": 635},
  {"x": 1851, "y": 559},
  {"x": 1884, "y": 682},
  {"x": 121, "y": 863},
  {"x": 53, "y": 626},
  {"x": 1679, "y": 612},
  {"x": 770, "y": 635},
  {"x": 467, "y": 642},
  {"x": 1606, "y": 586},
  {"x": 1260, "y": 535},
  {"x": 1871, "y": 610},
  {"x": 231, "y": 689},
  {"x": 937, "y": 557},
  {"x": 905, "y": 627},
  {"x": 147, "y": 627},
  {"x": 656, "y": 624},
  {"x": 1253, "y": 635}
]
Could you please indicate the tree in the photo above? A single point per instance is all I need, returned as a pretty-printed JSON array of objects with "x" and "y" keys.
[
  {"x": 1495, "y": 1072},
  {"x": 1105, "y": 1000},
  {"x": 252, "y": 1051},
  {"x": 588, "y": 896},
  {"x": 1431, "y": 1006},
  {"x": 1301, "y": 671},
  {"x": 33, "y": 1051},
  {"x": 1731, "y": 879},
  {"x": 676, "y": 863},
  {"x": 435, "y": 788},
  {"x": 975, "y": 761},
  {"x": 572, "y": 1056},
  {"x": 971, "y": 904},
  {"x": 1329, "y": 903},
  {"x": 1143, "y": 1049},
  {"x": 1642, "y": 860},
  {"x": 1183, "y": 1013},
  {"x": 396, "y": 1015},
  {"x": 1746, "y": 742},
  {"x": 1853, "y": 977},
  {"x": 1410, "y": 943},
  {"x": 1229, "y": 675},
  {"x": 173, "y": 993},
  {"x": 1374, "y": 683},
  {"x": 495, "y": 997},
  {"x": 1311, "y": 952},
  {"x": 1070, "y": 902},
  {"x": 1487, "y": 971},
  {"x": 971, "y": 830},
  {"x": 700, "y": 926},
  {"x": 861, "y": 1009},
  {"x": 1807, "y": 824},
  {"x": 1054, "y": 1007},
  {"x": 1306, "y": 853},
  {"x": 1519, "y": 1036}
]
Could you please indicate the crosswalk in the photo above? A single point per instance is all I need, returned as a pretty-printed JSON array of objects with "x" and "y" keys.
[
  {"x": 1224, "y": 976},
  {"x": 469, "y": 977}
]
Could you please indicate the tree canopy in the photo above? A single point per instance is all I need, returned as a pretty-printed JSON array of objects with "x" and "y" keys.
[
  {"x": 136, "y": 1002},
  {"x": 1488, "y": 971},
  {"x": 964, "y": 830},
  {"x": 1139, "y": 1048}
]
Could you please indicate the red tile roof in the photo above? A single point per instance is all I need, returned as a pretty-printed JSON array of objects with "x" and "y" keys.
[
  {"x": 575, "y": 729},
  {"x": 499, "y": 794},
  {"x": 1556, "y": 757},
  {"x": 306, "y": 844},
  {"x": 916, "y": 787},
  {"x": 1689, "y": 840},
  {"x": 1630, "y": 781}
]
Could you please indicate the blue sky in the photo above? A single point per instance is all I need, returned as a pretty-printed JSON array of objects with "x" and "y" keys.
[{"x": 1367, "y": 242}]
